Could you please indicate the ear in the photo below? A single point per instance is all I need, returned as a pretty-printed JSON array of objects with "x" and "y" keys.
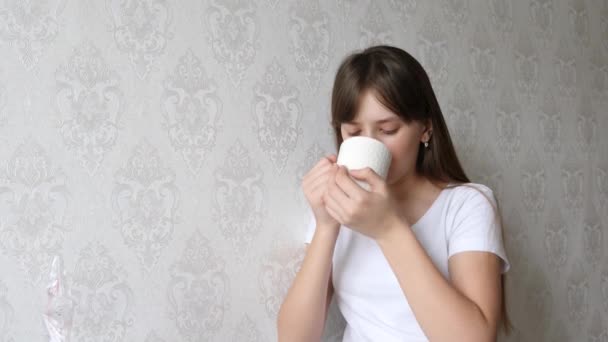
[{"x": 427, "y": 131}]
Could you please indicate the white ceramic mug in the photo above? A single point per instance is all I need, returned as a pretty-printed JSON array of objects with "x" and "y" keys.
[{"x": 361, "y": 152}]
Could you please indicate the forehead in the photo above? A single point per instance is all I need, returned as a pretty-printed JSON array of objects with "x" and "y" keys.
[{"x": 372, "y": 111}]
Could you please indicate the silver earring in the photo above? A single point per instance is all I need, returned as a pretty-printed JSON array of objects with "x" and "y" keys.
[{"x": 426, "y": 144}]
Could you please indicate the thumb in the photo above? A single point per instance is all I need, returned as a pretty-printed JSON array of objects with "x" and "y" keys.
[{"x": 367, "y": 175}]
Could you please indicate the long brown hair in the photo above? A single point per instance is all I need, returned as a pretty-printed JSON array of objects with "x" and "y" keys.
[{"x": 400, "y": 83}]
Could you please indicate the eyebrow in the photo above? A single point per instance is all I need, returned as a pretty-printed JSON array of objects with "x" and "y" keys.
[{"x": 354, "y": 122}]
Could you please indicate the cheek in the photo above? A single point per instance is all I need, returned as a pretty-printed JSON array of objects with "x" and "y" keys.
[
  {"x": 403, "y": 156},
  {"x": 403, "y": 149}
]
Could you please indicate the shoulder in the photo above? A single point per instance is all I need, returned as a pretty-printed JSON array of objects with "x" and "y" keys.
[
  {"x": 471, "y": 196},
  {"x": 472, "y": 211},
  {"x": 473, "y": 221},
  {"x": 469, "y": 189}
]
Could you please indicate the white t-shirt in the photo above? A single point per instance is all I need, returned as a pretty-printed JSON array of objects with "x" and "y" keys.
[{"x": 462, "y": 218}]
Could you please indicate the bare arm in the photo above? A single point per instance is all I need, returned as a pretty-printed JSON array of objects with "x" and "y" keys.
[
  {"x": 304, "y": 310},
  {"x": 466, "y": 308}
]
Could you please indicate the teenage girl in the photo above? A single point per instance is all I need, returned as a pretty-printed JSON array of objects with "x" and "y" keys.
[{"x": 419, "y": 256}]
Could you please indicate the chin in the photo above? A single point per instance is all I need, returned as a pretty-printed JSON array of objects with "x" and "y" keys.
[
  {"x": 390, "y": 180},
  {"x": 393, "y": 178}
]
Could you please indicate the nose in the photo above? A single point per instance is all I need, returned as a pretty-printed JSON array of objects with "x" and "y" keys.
[{"x": 369, "y": 135}]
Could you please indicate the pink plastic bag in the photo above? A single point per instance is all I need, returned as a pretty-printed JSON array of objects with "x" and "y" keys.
[{"x": 60, "y": 307}]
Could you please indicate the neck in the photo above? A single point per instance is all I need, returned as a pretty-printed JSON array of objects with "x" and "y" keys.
[{"x": 411, "y": 187}]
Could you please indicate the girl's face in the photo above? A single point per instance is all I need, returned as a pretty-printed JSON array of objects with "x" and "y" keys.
[{"x": 403, "y": 140}]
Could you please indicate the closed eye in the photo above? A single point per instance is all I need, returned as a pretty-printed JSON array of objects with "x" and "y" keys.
[{"x": 389, "y": 132}]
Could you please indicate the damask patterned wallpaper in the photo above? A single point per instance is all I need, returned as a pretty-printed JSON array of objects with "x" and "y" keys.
[{"x": 158, "y": 148}]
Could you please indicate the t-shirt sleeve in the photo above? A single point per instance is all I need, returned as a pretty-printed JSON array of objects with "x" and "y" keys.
[{"x": 477, "y": 225}]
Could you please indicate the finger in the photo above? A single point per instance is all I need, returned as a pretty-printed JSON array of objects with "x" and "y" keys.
[
  {"x": 322, "y": 166},
  {"x": 321, "y": 180},
  {"x": 337, "y": 194},
  {"x": 348, "y": 186},
  {"x": 335, "y": 215},
  {"x": 369, "y": 176},
  {"x": 319, "y": 190},
  {"x": 318, "y": 187},
  {"x": 320, "y": 163},
  {"x": 312, "y": 177},
  {"x": 334, "y": 208}
]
